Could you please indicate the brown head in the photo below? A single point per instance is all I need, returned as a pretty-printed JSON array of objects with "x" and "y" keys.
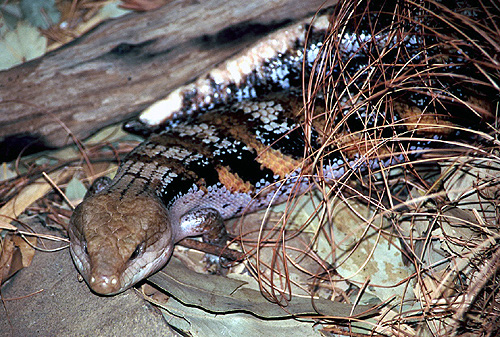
[{"x": 117, "y": 241}]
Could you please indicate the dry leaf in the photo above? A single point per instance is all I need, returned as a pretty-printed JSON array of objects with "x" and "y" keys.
[
  {"x": 221, "y": 294},
  {"x": 15, "y": 255},
  {"x": 31, "y": 193},
  {"x": 26, "y": 249},
  {"x": 6, "y": 257},
  {"x": 295, "y": 248},
  {"x": 198, "y": 323},
  {"x": 375, "y": 257}
]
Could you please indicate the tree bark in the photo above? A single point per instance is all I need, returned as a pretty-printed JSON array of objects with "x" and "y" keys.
[{"x": 124, "y": 65}]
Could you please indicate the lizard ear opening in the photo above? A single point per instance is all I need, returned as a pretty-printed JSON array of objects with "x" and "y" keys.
[
  {"x": 138, "y": 251},
  {"x": 99, "y": 185}
]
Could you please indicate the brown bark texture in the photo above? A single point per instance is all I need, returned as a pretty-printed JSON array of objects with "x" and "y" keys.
[{"x": 123, "y": 65}]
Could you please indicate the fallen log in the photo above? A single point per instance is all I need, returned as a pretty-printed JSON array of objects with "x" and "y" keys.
[{"x": 124, "y": 65}]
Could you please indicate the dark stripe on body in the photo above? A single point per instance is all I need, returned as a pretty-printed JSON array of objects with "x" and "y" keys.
[{"x": 237, "y": 159}]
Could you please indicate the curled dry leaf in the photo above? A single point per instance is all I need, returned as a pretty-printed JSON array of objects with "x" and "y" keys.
[{"x": 15, "y": 255}]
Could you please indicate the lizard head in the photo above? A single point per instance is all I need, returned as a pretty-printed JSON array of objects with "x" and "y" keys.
[{"x": 117, "y": 241}]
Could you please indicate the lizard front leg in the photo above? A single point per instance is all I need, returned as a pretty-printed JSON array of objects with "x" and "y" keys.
[{"x": 206, "y": 222}]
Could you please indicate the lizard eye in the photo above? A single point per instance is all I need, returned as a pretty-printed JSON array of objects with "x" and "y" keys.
[
  {"x": 85, "y": 249},
  {"x": 138, "y": 251}
]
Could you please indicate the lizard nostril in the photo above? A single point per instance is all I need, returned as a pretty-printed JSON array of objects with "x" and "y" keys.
[{"x": 105, "y": 285}]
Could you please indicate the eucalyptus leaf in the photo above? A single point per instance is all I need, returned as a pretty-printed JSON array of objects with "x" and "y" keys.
[
  {"x": 10, "y": 15},
  {"x": 6, "y": 172},
  {"x": 363, "y": 253},
  {"x": 112, "y": 10},
  {"x": 471, "y": 184},
  {"x": 20, "y": 45},
  {"x": 218, "y": 294},
  {"x": 75, "y": 190},
  {"x": 196, "y": 322},
  {"x": 41, "y": 13}
]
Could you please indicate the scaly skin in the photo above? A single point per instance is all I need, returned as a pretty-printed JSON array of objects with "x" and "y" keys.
[{"x": 105, "y": 232}]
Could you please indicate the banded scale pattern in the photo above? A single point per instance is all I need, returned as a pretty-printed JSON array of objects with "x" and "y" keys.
[
  {"x": 222, "y": 154},
  {"x": 273, "y": 64}
]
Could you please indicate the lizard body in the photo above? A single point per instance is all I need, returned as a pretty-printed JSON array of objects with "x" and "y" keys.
[{"x": 247, "y": 149}]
